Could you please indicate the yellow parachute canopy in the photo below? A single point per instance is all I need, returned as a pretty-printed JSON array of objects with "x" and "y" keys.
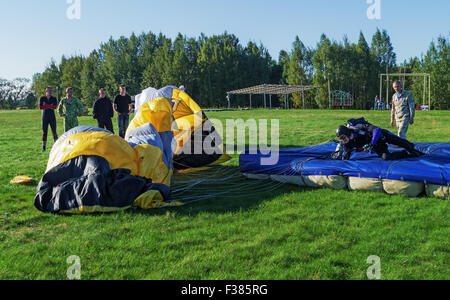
[{"x": 21, "y": 179}]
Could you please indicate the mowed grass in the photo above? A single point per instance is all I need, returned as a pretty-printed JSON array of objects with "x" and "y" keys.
[{"x": 284, "y": 232}]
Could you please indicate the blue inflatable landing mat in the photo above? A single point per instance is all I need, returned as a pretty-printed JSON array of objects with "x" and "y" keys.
[{"x": 432, "y": 168}]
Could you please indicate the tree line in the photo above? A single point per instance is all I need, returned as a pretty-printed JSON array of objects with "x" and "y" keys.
[
  {"x": 16, "y": 93},
  {"x": 210, "y": 66}
]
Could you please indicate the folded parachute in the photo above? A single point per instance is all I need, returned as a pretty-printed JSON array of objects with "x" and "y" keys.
[
  {"x": 197, "y": 142},
  {"x": 93, "y": 170}
]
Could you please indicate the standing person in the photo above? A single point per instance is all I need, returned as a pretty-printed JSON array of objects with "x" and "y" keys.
[
  {"x": 123, "y": 106},
  {"x": 70, "y": 108},
  {"x": 403, "y": 109},
  {"x": 103, "y": 111},
  {"x": 48, "y": 104},
  {"x": 377, "y": 100}
]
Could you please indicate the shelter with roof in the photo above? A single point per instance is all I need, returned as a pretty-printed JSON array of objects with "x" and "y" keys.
[{"x": 272, "y": 89}]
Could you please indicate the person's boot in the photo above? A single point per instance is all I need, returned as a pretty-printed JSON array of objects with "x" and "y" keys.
[
  {"x": 416, "y": 153},
  {"x": 395, "y": 155},
  {"x": 413, "y": 151}
]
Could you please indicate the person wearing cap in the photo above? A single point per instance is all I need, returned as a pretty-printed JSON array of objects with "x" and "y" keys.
[
  {"x": 403, "y": 109},
  {"x": 369, "y": 138}
]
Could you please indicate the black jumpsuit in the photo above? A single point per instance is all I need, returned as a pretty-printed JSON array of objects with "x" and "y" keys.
[
  {"x": 48, "y": 107},
  {"x": 368, "y": 134}
]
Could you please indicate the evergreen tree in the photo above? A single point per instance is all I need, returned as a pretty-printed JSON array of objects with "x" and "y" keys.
[
  {"x": 158, "y": 73},
  {"x": 71, "y": 73},
  {"x": 300, "y": 71},
  {"x": 218, "y": 63},
  {"x": 322, "y": 66},
  {"x": 50, "y": 77},
  {"x": 92, "y": 79},
  {"x": 364, "y": 75},
  {"x": 437, "y": 63},
  {"x": 383, "y": 54}
]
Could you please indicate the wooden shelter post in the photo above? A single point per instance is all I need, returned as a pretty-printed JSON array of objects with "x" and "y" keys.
[{"x": 265, "y": 102}]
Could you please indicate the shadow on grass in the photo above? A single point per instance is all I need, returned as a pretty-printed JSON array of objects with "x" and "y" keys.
[{"x": 219, "y": 189}]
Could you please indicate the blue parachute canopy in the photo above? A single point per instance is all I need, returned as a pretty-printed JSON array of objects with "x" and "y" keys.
[{"x": 432, "y": 168}]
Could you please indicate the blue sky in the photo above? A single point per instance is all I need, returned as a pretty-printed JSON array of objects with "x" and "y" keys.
[{"x": 35, "y": 31}]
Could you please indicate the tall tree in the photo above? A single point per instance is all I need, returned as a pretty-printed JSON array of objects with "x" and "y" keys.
[
  {"x": 92, "y": 78},
  {"x": 181, "y": 71},
  {"x": 322, "y": 65},
  {"x": 383, "y": 53},
  {"x": 121, "y": 64},
  {"x": 365, "y": 77},
  {"x": 157, "y": 74},
  {"x": 300, "y": 70},
  {"x": 71, "y": 71},
  {"x": 50, "y": 77},
  {"x": 437, "y": 62},
  {"x": 218, "y": 63}
]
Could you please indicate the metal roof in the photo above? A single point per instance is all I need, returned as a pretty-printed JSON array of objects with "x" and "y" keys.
[{"x": 273, "y": 89}]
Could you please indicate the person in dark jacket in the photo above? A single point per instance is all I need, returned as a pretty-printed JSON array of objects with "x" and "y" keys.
[
  {"x": 103, "y": 111},
  {"x": 48, "y": 104},
  {"x": 369, "y": 138}
]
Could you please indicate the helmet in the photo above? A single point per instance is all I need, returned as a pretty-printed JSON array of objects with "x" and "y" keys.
[{"x": 343, "y": 130}]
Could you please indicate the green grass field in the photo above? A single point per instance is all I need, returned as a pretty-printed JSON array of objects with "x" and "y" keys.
[{"x": 254, "y": 230}]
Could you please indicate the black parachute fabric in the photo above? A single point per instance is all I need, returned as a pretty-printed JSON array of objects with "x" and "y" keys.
[
  {"x": 207, "y": 156},
  {"x": 87, "y": 183}
]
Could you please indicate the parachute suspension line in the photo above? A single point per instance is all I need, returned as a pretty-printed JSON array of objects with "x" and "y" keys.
[
  {"x": 228, "y": 194},
  {"x": 222, "y": 181},
  {"x": 224, "y": 186},
  {"x": 224, "y": 177},
  {"x": 246, "y": 187}
]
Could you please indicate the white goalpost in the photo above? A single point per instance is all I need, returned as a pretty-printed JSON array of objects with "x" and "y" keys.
[{"x": 426, "y": 81}]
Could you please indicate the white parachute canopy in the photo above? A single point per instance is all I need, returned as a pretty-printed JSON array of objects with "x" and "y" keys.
[
  {"x": 150, "y": 94},
  {"x": 146, "y": 95}
]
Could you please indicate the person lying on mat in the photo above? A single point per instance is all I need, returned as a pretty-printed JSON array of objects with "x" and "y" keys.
[{"x": 369, "y": 138}]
